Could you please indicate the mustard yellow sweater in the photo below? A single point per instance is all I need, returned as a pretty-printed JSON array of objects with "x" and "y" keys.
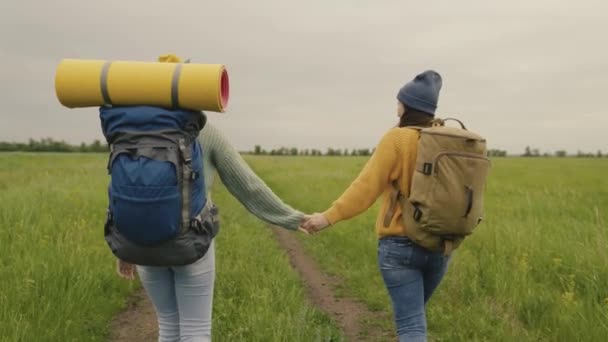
[{"x": 394, "y": 159}]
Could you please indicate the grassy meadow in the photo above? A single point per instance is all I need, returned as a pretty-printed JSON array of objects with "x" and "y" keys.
[
  {"x": 535, "y": 270},
  {"x": 57, "y": 276}
]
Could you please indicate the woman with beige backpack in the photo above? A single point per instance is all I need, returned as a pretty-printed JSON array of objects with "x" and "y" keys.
[{"x": 416, "y": 237}]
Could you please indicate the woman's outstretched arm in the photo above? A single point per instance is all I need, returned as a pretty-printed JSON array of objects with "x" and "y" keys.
[
  {"x": 246, "y": 186},
  {"x": 382, "y": 168}
]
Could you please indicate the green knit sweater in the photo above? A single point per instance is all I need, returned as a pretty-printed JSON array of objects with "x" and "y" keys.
[{"x": 221, "y": 158}]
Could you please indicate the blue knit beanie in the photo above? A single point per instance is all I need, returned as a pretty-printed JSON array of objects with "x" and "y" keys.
[{"x": 422, "y": 93}]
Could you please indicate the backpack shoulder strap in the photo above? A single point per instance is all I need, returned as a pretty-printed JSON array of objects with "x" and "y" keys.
[
  {"x": 186, "y": 168},
  {"x": 390, "y": 212},
  {"x": 396, "y": 192},
  {"x": 396, "y": 195}
]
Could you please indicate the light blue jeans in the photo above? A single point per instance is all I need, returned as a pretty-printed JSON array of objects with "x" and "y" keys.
[
  {"x": 411, "y": 273},
  {"x": 183, "y": 298}
]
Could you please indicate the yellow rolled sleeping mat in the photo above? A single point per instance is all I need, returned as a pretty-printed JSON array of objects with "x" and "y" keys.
[{"x": 88, "y": 83}]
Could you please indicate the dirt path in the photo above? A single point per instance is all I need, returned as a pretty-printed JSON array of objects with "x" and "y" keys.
[
  {"x": 137, "y": 323},
  {"x": 348, "y": 313}
]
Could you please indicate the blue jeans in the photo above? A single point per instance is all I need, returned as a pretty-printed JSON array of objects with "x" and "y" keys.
[
  {"x": 183, "y": 298},
  {"x": 411, "y": 273}
]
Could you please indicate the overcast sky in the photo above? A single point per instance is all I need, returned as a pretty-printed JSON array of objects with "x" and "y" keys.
[{"x": 323, "y": 73}]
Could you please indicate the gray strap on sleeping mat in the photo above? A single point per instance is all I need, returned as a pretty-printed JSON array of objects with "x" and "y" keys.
[
  {"x": 103, "y": 83},
  {"x": 175, "y": 86}
]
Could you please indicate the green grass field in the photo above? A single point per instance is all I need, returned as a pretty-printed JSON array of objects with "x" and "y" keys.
[{"x": 536, "y": 270}]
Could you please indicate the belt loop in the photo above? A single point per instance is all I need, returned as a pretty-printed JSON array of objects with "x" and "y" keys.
[{"x": 448, "y": 247}]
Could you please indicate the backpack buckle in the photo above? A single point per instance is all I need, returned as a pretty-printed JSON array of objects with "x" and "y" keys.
[
  {"x": 109, "y": 216},
  {"x": 184, "y": 152},
  {"x": 417, "y": 214},
  {"x": 196, "y": 224},
  {"x": 427, "y": 168},
  {"x": 207, "y": 222}
]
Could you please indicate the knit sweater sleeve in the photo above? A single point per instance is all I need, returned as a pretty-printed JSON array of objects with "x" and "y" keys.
[
  {"x": 246, "y": 186},
  {"x": 371, "y": 182}
]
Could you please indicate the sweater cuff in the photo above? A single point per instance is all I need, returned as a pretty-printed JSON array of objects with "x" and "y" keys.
[
  {"x": 332, "y": 215},
  {"x": 294, "y": 221}
]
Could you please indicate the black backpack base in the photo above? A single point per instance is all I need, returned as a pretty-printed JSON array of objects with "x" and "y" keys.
[{"x": 188, "y": 247}]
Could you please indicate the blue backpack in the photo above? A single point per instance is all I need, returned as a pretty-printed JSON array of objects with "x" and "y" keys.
[{"x": 158, "y": 213}]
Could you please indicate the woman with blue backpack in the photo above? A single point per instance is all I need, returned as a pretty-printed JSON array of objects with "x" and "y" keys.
[{"x": 161, "y": 218}]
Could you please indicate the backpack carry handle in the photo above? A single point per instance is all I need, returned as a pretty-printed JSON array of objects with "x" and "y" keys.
[
  {"x": 453, "y": 119},
  {"x": 439, "y": 122}
]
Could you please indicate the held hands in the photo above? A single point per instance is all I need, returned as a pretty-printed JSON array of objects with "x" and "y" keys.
[
  {"x": 312, "y": 224},
  {"x": 125, "y": 270}
]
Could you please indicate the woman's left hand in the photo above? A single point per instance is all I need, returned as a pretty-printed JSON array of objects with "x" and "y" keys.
[{"x": 125, "y": 270}]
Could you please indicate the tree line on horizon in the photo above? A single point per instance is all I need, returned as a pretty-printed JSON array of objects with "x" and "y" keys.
[
  {"x": 97, "y": 146},
  {"x": 535, "y": 152},
  {"x": 51, "y": 145},
  {"x": 294, "y": 151}
]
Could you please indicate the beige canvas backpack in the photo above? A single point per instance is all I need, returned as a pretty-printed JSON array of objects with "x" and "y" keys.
[{"x": 445, "y": 202}]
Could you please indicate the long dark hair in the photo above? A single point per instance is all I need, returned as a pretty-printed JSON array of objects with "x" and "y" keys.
[{"x": 414, "y": 117}]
